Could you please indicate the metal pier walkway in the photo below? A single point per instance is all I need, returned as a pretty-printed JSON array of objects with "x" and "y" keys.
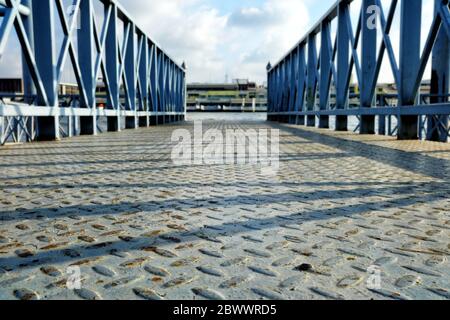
[
  {"x": 140, "y": 227},
  {"x": 347, "y": 216}
]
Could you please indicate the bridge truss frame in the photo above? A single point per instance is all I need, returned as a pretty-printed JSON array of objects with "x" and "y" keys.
[
  {"x": 143, "y": 84},
  {"x": 300, "y": 83}
]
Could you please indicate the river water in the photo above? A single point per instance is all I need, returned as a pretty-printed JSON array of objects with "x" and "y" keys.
[{"x": 249, "y": 117}]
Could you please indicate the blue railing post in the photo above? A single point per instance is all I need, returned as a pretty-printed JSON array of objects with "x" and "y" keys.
[
  {"x": 343, "y": 66},
  {"x": 274, "y": 90},
  {"x": 382, "y": 118},
  {"x": 184, "y": 92},
  {"x": 410, "y": 32},
  {"x": 179, "y": 107},
  {"x": 325, "y": 73},
  {"x": 112, "y": 69},
  {"x": 161, "y": 87},
  {"x": 44, "y": 35},
  {"x": 180, "y": 94},
  {"x": 154, "y": 83},
  {"x": 279, "y": 85},
  {"x": 286, "y": 75},
  {"x": 28, "y": 85},
  {"x": 269, "y": 91},
  {"x": 144, "y": 121},
  {"x": 282, "y": 89},
  {"x": 167, "y": 90},
  {"x": 29, "y": 90},
  {"x": 368, "y": 64},
  {"x": 88, "y": 124},
  {"x": 165, "y": 87},
  {"x": 172, "y": 89},
  {"x": 440, "y": 82},
  {"x": 300, "y": 104},
  {"x": 175, "y": 93},
  {"x": 287, "y": 86},
  {"x": 312, "y": 80},
  {"x": 130, "y": 71},
  {"x": 94, "y": 55},
  {"x": 293, "y": 84},
  {"x": 269, "y": 95},
  {"x": 181, "y": 91}
]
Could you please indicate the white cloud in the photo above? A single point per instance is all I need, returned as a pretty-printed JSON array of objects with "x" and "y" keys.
[
  {"x": 249, "y": 17},
  {"x": 238, "y": 43},
  {"x": 188, "y": 30},
  {"x": 213, "y": 44},
  {"x": 285, "y": 24}
]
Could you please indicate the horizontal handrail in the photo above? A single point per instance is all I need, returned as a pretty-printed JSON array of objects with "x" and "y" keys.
[{"x": 313, "y": 81}]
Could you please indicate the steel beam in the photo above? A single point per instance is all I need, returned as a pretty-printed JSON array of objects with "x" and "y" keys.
[
  {"x": 312, "y": 79},
  {"x": 154, "y": 85},
  {"x": 343, "y": 65},
  {"x": 130, "y": 71},
  {"x": 143, "y": 81},
  {"x": 293, "y": 81},
  {"x": 17, "y": 110},
  {"x": 47, "y": 127},
  {"x": 179, "y": 93},
  {"x": 166, "y": 87},
  {"x": 282, "y": 83},
  {"x": 147, "y": 70},
  {"x": 325, "y": 72},
  {"x": 170, "y": 88},
  {"x": 24, "y": 8},
  {"x": 425, "y": 110},
  {"x": 356, "y": 52},
  {"x": 438, "y": 126},
  {"x": 301, "y": 84},
  {"x": 368, "y": 64},
  {"x": 161, "y": 86},
  {"x": 88, "y": 125},
  {"x": 112, "y": 69},
  {"x": 29, "y": 89},
  {"x": 285, "y": 85},
  {"x": 410, "y": 31}
]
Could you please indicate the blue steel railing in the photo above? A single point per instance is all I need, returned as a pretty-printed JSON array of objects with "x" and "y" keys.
[
  {"x": 300, "y": 83},
  {"x": 142, "y": 83}
]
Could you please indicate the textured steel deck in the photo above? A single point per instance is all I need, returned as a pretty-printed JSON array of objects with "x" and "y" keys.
[{"x": 140, "y": 227}]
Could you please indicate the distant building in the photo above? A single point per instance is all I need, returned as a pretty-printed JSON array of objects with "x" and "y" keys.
[
  {"x": 15, "y": 86},
  {"x": 11, "y": 86},
  {"x": 241, "y": 95},
  {"x": 68, "y": 89}
]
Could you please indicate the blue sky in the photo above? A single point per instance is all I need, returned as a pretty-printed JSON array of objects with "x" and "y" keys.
[
  {"x": 233, "y": 38},
  {"x": 238, "y": 37},
  {"x": 316, "y": 8},
  {"x": 218, "y": 38}
]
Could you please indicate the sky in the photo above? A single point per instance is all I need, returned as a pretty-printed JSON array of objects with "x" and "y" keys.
[
  {"x": 229, "y": 39},
  {"x": 219, "y": 38}
]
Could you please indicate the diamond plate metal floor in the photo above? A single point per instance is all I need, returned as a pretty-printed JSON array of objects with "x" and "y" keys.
[{"x": 141, "y": 228}]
